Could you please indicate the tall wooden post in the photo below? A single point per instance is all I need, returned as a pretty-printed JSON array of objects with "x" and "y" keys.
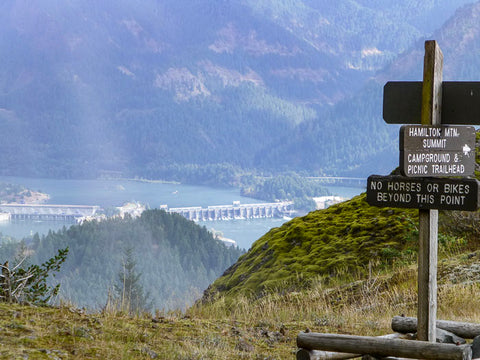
[{"x": 428, "y": 219}]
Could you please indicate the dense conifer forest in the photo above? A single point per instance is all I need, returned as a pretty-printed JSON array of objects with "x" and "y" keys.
[
  {"x": 175, "y": 258},
  {"x": 113, "y": 87}
]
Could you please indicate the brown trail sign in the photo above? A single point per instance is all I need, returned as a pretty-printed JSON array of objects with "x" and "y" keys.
[
  {"x": 437, "y": 150},
  {"x": 423, "y": 193}
]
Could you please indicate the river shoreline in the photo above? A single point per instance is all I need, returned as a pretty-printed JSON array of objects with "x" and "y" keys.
[
  {"x": 24, "y": 196},
  {"x": 115, "y": 193}
]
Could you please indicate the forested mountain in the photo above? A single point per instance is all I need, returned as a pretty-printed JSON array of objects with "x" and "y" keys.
[
  {"x": 175, "y": 258},
  {"x": 88, "y": 87},
  {"x": 352, "y": 138}
]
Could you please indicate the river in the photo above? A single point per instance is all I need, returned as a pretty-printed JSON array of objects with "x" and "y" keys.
[{"x": 111, "y": 193}]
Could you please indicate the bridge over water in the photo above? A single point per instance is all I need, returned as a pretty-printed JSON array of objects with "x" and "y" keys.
[
  {"x": 236, "y": 211},
  {"x": 48, "y": 211},
  {"x": 219, "y": 212},
  {"x": 340, "y": 180}
]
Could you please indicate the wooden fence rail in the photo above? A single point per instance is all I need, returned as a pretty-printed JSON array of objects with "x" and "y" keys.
[
  {"x": 304, "y": 354},
  {"x": 383, "y": 347},
  {"x": 463, "y": 329}
]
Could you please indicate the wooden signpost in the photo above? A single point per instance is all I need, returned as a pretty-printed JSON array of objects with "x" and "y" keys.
[
  {"x": 435, "y": 159},
  {"x": 428, "y": 219},
  {"x": 427, "y": 152}
]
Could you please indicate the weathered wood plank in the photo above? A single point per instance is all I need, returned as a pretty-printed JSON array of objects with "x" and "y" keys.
[
  {"x": 461, "y": 102},
  {"x": 304, "y": 354},
  {"x": 368, "y": 357},
  {"x": 427, "y": 274},
  {"x": 432, "y": 84},
  {"x": 381, "y": 347},
  {"x": 428, "y": 219},
  {"x": 465, "y": 330},
  {"x": 402, "y": 102}
]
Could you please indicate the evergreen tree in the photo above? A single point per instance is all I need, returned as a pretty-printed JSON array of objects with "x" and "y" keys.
[
  {"x": 178, "y": 260},
  {"x": 129, "y": 293},
  {"x": 28, "y": 284}
]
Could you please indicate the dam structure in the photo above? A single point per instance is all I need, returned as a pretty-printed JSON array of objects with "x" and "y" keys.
[
  {"x": 235, "y": 211},
  {"x": 48, "y": 212}
]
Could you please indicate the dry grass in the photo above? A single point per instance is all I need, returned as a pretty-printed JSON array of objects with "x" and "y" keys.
[{"x": 262, "y": 329}]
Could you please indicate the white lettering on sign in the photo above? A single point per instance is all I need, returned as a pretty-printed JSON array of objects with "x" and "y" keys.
[
  {"x": 425, "y": 131},
  {"x": 434, "y": 143},
  {"x": 376, "y": 185},
  {"x": 394, "y": 197},
  {"x": 417, "y": 169},
  {"x": 399, "y": 197},
  {"x": 432, "y": 187},
  {"x": 450, "y": 169},
  {"x": 404, "y": 186},
  {"x": 428, "y": 158},
  {"x": 417, "y": 131},
  {"x": 382, "y": 197},
  {"x": 433, "y": 131},
  {"x": 451, "y": 132},
  {"x": 456, "y": 189},
  {"x": 452, "y": 199},
  {"x": 425, "y": 199}
]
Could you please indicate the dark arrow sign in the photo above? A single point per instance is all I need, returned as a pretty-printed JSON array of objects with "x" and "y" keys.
[
  {"x": 423, "y": 193},
  {"x": 437, "y": 150},
  {"x": 402, "y": 102}
]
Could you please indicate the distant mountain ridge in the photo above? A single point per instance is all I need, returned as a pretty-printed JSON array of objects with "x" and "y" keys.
[
  {"x": 135, "y": 86},
  {"x": 360, "y": 143}
]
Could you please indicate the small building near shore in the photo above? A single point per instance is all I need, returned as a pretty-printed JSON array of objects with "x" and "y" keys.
[
  {"x": 226, "y": 241},
  {"x": 324, "y": 202}
]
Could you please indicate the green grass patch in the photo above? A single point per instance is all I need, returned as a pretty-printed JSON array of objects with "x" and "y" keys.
[{"x": 342, "y": 239}]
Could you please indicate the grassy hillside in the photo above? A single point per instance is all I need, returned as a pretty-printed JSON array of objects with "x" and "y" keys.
[
  {"x": 347, "y": 269},
  {"x": 262, "y": 329},
  {"x": 342, "y": 240},
  {"x": 346, "y": 240},
  {"x": 337, "y": 245}
]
